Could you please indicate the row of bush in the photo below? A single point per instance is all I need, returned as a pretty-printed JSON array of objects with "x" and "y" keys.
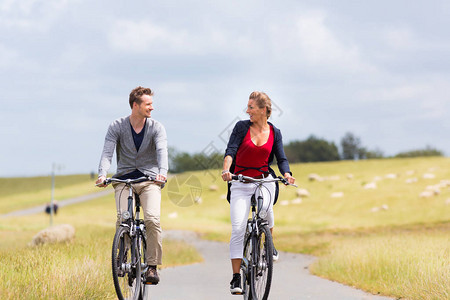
[{"x": 312, "y": 149}]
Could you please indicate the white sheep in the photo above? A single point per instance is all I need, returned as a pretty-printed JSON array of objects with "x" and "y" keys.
[
  {"x": 213, "y": 187},
  {"x": 302, "y": 193},
  {"x": 337, "y": 195},
  {"x": 411, "y": 180},
  {"x": 391, "y": 176},
  {"x": 428, "y": 176},
  {"x": 370, "y": 186},
  {"x": 315, "y": 177},
  {"x": 54, "y": 234},
  {"x": 426, "y": 194},
  {"x": 296, "y": 201}
]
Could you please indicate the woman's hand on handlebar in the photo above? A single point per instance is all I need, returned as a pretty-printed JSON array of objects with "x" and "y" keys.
[
  {"x": 289, "y": 178},
  {"x": 226, "y": 175}
]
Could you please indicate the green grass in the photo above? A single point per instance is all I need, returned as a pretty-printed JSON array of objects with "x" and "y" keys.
[
  {"x": 21, "y": 193},
  {"x": 80, "y": 269},
  {"x": 402, "y": 251},
  {"x": 327, "y": 227}
]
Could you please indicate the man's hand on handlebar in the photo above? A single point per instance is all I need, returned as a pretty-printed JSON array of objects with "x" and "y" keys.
[
  {"x": 161, "y": 178},
  {"x": 100, "y": 181}
]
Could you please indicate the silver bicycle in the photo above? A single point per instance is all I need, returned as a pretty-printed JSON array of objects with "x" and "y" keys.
[
  {"x": 257, "y": 262},
  {"x": 129, "y": 246}
]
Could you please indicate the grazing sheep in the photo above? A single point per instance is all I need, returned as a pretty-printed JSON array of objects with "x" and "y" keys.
[
  {"x": 296, "y": 201},
  {"x": 411, "y": 180},
  {"x": 54, "y": 234},
  {"x": 444, "y": 183},
  {"x": 284, "y": 202},
  {"x": 447, "y": 201},
  {"x": 302, "y": 193},
  {"x": 433, "y": 188},
  {"x": 391, "y": 176},
  {"x": 377, "y": 209},
  {"x": 213, "y": 188},
  {"x": 315, "y": 177},
  {"x": 350, "y": 176},
  {"x": 173, "y": 215},
  {"x": 428, "y": 176},
  {"x": 426, "y": 194},
  {"x": 410, "y": 172},
  {"x": 370, "y": 186},
  {"x": 337, "y": 195}
]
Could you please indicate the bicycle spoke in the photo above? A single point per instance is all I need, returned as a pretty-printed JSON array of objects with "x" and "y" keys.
[
  {"x": 263, "y": 264},
  {"x": 124, "y": 267}
]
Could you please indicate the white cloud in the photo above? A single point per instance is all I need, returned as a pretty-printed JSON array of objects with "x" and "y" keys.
[
  {"x": 309, "y": 41},
  {"x": 31, "y": 15}
]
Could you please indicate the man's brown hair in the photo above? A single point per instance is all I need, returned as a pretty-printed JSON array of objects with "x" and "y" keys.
[{"x": 136, "y": 94}]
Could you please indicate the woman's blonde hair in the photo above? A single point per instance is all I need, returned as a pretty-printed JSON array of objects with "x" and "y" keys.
[{"x": 262, "y": 100}]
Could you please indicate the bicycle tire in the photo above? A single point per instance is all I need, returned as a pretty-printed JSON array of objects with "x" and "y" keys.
[
  {"x": 124, "y": 271},
  {"x": 142, "y": 248},
  {"x": 245, "y": 269},
  {"x": 262, "y": 264}
]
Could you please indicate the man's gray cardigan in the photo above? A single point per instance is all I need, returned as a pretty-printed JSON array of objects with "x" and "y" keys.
[{"x": 152, "y": 157}]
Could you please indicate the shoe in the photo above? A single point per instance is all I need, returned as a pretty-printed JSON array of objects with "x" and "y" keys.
[
  {"x": 275, "y": 254},
  {"x": 151, "y": 276},
  {"x": 235, "y": 285}
]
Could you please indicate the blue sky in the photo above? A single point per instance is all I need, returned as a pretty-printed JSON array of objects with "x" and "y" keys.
[{"x": 379, "y": 69}]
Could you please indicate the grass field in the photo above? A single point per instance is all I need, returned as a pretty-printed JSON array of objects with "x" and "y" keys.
[
  {"x": 80, "y": 269},
  {"x": 396, "y": 237},
  {"x": 385, "y": 240}
]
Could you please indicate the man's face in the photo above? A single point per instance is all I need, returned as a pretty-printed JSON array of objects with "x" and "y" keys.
[{"x": 145, "y": 108}]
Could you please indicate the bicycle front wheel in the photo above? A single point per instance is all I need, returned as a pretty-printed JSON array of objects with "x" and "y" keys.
[
  {"x": 126, "y": 267},
  {"x": 245, "y": 268},
  {"x": 262, "y": 264}
]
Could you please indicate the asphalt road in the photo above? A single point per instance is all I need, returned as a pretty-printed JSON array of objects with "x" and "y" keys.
[{"x": 210, "y": 279}]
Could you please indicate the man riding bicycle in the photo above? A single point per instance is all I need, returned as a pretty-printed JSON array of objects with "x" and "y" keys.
[{"x": 141, "y": 149}]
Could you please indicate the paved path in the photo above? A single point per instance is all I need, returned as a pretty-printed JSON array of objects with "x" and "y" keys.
[
  {"x": 210, "y": 279},
  {"x": 62, "y": 203}
]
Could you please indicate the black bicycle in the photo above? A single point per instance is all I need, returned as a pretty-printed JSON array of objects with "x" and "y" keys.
[
  {"x": 129, "y": 247},
  {"x": 257, "y": 262}
]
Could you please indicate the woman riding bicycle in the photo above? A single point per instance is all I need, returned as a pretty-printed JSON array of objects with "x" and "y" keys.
[{"x": 250, "y": 151}]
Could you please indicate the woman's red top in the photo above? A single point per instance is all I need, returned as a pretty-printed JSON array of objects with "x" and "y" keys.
[{"x": 252, "y": 160}]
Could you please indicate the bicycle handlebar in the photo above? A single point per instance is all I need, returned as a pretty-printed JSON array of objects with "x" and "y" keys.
[
  {"x": 242, "y": 178},
  {"x": 129, "y": 181}
]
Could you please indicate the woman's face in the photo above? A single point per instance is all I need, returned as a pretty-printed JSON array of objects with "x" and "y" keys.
[{"x": 256, "y": 114}]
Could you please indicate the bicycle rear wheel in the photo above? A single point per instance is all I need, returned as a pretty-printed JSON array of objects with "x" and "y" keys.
[
  {"x": 125, "y": 266},
  {"x": 262, "y": 265}
]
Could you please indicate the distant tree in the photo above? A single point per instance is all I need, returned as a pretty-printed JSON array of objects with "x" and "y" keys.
[
  {"x": 351, "y": 147},
  {"x": 428, "y": 151},
  {"x": 311, "y": 150},
  {"x": 377, "y": 153},
  {"x": 183, "y": 161}
]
